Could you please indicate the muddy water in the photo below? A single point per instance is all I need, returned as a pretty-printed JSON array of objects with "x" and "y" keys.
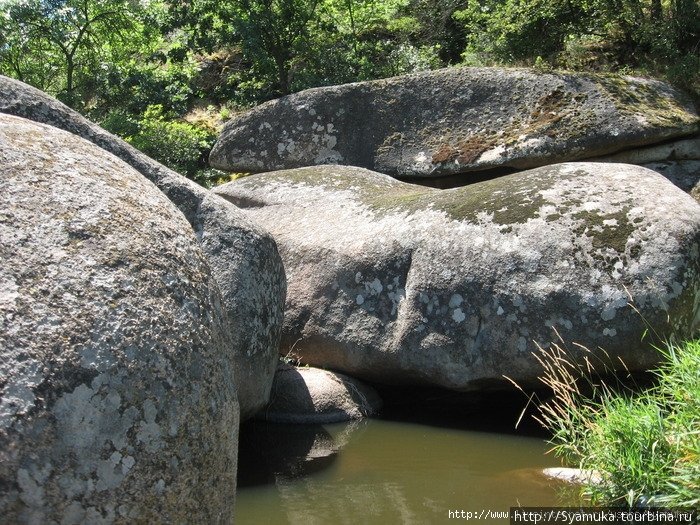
[{"x": 384, "y": 471}]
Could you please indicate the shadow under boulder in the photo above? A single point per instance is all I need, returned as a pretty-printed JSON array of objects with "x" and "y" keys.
[{"x": 271, "y": 452}]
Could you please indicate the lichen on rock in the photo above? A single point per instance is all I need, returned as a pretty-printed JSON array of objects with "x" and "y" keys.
[
  {"x": 117, "y": 397},
  {"x": 243, "y": 257},
  {"x": 455, "y": 121},
  {"x": 394, "y": 282}
]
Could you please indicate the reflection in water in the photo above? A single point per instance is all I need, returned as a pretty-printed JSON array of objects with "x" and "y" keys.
[
  {"x": 387, "y": 472},
  {"x": 270, "y": 452}
]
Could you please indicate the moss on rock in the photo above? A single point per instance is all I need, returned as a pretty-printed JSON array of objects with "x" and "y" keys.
[
  {"x": 396, "y": 282},
  {"x": 457, "y": 120}
]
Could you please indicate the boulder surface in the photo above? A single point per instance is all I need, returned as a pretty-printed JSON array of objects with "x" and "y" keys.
[
  {"x": 455, "y": 120},
  {"x": 678, "y": 161},
  {"x": 393, "y": 282},
  {"x": 243, "y": 257},
  {"x": 677, "y": 150},
  {"x": 313, "y": 396},
  {"x": 117, "y": 400},
  {"x": 683, "y": 173}
]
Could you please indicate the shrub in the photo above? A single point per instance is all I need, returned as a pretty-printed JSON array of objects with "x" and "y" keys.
[
  {"x": 180, "y": 145},
  {"x": 645, "y": 446}
]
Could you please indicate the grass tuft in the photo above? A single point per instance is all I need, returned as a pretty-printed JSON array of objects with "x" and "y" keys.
[{"x": 644, "y": 445}]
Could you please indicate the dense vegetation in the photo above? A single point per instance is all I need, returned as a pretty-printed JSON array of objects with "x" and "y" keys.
[
  {"x": 163, "y": 74},
  {"x": 644, "y": 445}
]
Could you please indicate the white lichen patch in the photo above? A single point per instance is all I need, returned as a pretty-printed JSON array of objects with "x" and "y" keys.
[
  {"x": 458, "y": 315},
  {"x": 149, "y": 432},
  {"x": 421, "y": 162},
  {"x": 288, "y": 147},
  {"x": 323, "y": 141},
  {"x": 375, "y": 286},
  {"x": 31, "y": 488},
  {"x": 18, "y": 393},
  {"x": 88, "y": 419},
  {"x": 96, "y": 357},
  {"x": 492, "y": 155},
  {"x": 532, "y": 143},
  {"x": 558, "y": 252},
  {"x": 378, "y": 290},
  {"x": 455, "y": 300},
  {"x": 328, "y": 156}
]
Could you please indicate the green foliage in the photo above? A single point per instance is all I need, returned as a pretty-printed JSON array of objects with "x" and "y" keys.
[
  {"x": 120, "y": 123},
  {"x": 433, "y": 25},
  {"x": 516, "y": 31},
  {"x": 61, "y": 45},
  {"x": 115, "y": 59},
  {"x": 652, "y": 35},
  {"x": 629, "y": 443},
  {"x": 282, "y": 46},
  {"x": 645, "y": 446},
  {"x": 180, "y": 145},
  {"x": 135, "y": 84}
]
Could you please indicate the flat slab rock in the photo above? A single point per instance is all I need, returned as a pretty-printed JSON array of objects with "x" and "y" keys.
[
  {"x": 678, "y": 161},
  {"x": 455, "y": 120},
  {"x": 307, "y": 395},
  {"x": 117, "y": 397},
  {"x": 574, "y": 476},
  {"x": 393, "y": 282},
  {"x": 677, "y": 150}
]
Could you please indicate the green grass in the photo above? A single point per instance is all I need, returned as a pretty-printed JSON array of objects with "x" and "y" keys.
[{"x": 645, "y": 445}]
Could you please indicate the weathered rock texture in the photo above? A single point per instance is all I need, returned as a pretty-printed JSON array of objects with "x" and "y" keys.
[
  {"x": 678, "y": 161},
  {"x": 393, "y": 282},
  {"x": 574, "y": 476},
  {"x": 678, "y": 150},
  {"x": 455, "y": 120},
  {"x": 117, "y": 400},
  {"x": 314, "y": 396},
  {"x": 683, "y": 173},
  {"x": 243, "y": 257}
]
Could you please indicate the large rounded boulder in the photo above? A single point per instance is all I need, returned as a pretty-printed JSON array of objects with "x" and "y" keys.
[
  {"x": 311, "y": 396},
  {"x": 394, "y": 282},
  {"x": 456, "y": 120},
  {"x": 243, "y": 257},
  {"x": 117, "y": 396}
]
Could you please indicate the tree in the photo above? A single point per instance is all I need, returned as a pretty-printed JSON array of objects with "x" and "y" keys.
[
  {"x": 57, "y": 44},
  {"x": 435, "y": 24},
  {"x": 273, "y": 30},
  {"x": 368, "y": 39}
]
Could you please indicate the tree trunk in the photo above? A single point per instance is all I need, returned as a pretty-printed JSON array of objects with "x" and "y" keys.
[
  {"x": 282, "y": 74},
  {"x": 70, "y": 68}
]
